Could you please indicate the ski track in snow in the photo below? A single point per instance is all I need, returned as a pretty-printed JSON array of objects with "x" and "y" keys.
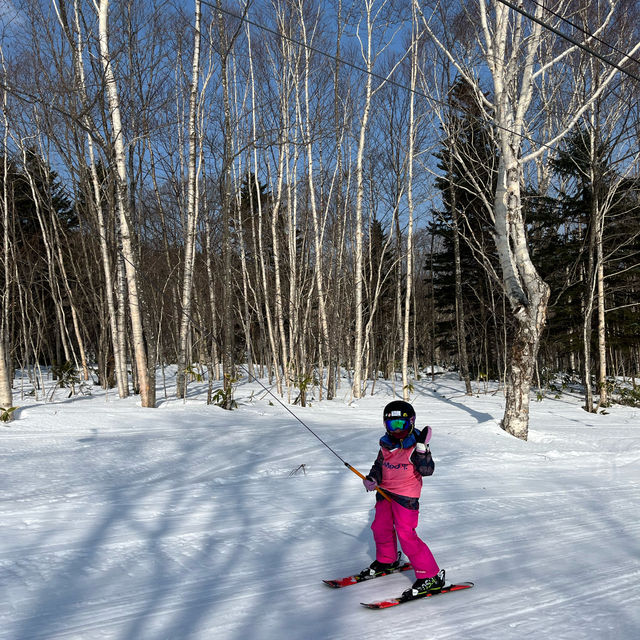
[{"x": 188, "y": 522}]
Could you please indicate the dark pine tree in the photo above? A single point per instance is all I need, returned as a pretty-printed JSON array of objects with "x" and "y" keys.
[{"x": 467, "y": 159}]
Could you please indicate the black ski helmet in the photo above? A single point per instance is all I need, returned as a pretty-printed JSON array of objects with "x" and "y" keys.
[{"x": 399, "y": 418}]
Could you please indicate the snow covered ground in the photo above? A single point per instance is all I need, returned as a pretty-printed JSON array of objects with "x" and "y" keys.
[{"x": 186, "y": 522}]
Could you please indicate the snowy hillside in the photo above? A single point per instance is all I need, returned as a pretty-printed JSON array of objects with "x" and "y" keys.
[{"x": 187, "y": 522}]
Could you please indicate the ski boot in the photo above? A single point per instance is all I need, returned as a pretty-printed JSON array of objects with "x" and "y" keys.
[
  {"x": 377, "y": 569},
  {"x": 425, "y": 586}
]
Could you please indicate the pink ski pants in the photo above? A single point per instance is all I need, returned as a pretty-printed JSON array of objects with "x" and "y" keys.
[{"x": 392, "y": 519}]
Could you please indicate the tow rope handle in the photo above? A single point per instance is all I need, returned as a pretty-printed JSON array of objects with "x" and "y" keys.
[{"x": 378, "y": 489}]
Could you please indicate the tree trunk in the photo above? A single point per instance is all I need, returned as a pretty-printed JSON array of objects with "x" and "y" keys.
[
  {"x": 117, "y": 333},
  {"x": 192, "y": 215},
  {"x": 119, "y": 351},
  {"x": 461, "y": 333},
  {"x": 359, "y": 239},
  {"x": 228, "y": 359},
  {"x": 130, "y": 257},
  {"x": 527, "y": 293},
  {"x": 523, "y": 354},
  {"x": 318, "y": 227},
  {"x": 6, "y": 395},
  {"x": 332, "y": 357},
  {"x": 461, "y": 336},
  {"x": 602, "y": 329}
]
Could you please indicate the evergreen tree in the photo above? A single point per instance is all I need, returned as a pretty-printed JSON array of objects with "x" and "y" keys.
[
  {"x": 566, "y": 257},
  {"x": 380, "y": 273},
  {"x": 38, "y": 204},
  {"x": 467, "y": 159}
]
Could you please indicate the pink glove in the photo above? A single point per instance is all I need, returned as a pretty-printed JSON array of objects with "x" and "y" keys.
[{"x": 369, "y": 484}]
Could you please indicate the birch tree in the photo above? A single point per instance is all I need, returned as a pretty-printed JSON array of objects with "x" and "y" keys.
[
  {"x": 339, "y": 231},
  {"x": 518, "y": 59},
  {"x": 374, "y": 25},
  {"x": 410, "y": 152},
  {"x": 367, "y": 54},
  {"x": 226, "y": 43},
  {"x": 6, "y": 377},
  {"x": 129, "y": 256},
  {"x": 192, "y": 210},
  {"x": 275, "y": 328},
  {"x": 284, "y": 72},
  {"x": 287, "y": 63},
  {"x": 318, "y": 224}
]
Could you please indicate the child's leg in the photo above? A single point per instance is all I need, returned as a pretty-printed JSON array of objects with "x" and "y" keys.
[
  {"x": 419, "y": 554},
  {"x": 384, "y": 533}
]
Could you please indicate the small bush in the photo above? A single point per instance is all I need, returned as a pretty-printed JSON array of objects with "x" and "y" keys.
[
  {"x": 6, "y": 414},
  {"x": 629, "y": 397},
  {"x": 67, "y": 376},
  {"x": 223, "y": 397}
]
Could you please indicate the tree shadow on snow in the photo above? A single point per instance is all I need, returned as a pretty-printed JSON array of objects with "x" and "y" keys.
[{"x": 181, "y": 537}]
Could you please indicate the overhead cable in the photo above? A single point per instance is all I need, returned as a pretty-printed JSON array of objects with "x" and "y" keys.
[{"x": 417, "y": 92}]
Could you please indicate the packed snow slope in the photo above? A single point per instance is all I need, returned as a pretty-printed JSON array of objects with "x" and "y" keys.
[{"x": 191, "y": 522}]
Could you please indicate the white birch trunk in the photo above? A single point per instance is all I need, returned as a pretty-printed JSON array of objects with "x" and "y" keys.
[
  {"x": 527, "y": 293},
  {"x": 598, "y": 221},
  {"x": 271, "y": 332},
  {"x": 357, "y": 389},
  {"x": 602, "y": 329},
  {"x": 285, "y": 86},
  {"x": 296, "y": 329},
  {"x": 228, "y": 359},
  {"x": 406, "y": 338},
  {"x": 147, "y": 394},
  {"x": 6, "y": 394},
  {"x": 117, "y": 336},
  {"x": 586, "y": 329},
  {"x": 317, "y": 226},
  {"x": 192, "y": 214},
  {"x": 333, "y": 358},
  {"x": 275, "y": 214}
]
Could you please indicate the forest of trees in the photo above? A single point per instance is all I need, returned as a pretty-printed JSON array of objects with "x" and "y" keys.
[{"x": 298, "y": 188}]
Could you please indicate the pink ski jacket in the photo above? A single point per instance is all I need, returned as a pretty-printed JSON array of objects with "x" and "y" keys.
[
  {"x": 399, "y": 474},
  {"x": 399, "y": 469}
]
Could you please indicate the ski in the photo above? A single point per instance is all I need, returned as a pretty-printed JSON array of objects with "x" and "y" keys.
[
  {"x": 354, "y": 579},
  {"x": 394, "y": 602}
]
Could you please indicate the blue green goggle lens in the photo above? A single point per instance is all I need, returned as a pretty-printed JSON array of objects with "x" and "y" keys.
[{"x": 397, "y": 424}]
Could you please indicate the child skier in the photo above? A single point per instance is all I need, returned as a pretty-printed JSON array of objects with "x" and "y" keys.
[{"x": 403, "y": 459}]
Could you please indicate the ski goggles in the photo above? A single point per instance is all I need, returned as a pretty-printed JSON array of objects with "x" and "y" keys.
[{"x": 397, "y": 424}]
